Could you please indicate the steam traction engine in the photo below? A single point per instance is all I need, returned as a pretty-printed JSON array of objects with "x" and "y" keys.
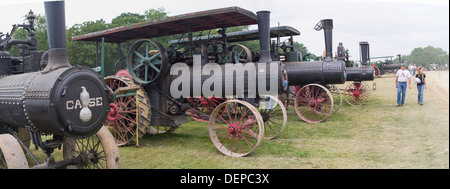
[
  {"x": 68, "y": 102},
  {"x": 236, "y": 127},
  {"x": 323, "y": 104},
  {"x": 314, "y": 99},
  {"x": 357, "y": 93}
]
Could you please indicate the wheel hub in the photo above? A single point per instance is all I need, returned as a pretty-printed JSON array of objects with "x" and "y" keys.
[
  {"x": 114, "y": 113},
  {"x": 312, "y": 103},
  {"x": 233, "y": 129},
  {"x": 265, "y": 116}
]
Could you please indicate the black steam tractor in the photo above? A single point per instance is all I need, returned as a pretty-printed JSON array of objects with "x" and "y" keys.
[
  {"x": 388, "y": 66},
  {"x": 313, "y": 81},
  {"x": 312, "y": 109},
  {"x": 358, "y": 92},
  {"x": 236, "y": 126},
  {"x": 66, "y": 104}
]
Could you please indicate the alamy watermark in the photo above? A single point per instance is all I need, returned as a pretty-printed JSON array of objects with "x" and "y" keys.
[{"x": 250, "y": 79}]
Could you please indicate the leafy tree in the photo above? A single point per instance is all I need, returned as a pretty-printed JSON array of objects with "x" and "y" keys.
[{"x": 426, "y": 56}]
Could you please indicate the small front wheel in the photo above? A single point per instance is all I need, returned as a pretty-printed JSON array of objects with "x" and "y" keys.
[{"x": 96, "y": 152}]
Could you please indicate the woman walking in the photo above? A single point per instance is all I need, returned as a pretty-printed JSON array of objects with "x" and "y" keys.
[{"x": 421, "y": 85}]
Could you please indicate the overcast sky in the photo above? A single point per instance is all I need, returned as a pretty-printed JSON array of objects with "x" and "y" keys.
[{"x": 390, "y": 26}]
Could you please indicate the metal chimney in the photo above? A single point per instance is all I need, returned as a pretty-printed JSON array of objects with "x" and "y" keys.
[
  {"x": 264, "y": 35},
  {"x": 364, "y": 51},
  {"x": 327, "y": 25},
  {"x": 340, "y": 52},
  {"x": 56, "y": 33}
]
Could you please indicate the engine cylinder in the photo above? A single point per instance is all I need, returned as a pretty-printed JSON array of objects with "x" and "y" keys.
[
  {"x": 237, "y": 75},
  {"x": 323, "y": 72}
]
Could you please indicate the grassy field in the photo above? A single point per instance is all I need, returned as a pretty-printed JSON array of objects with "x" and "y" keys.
[{"x": 376, "y": 135}]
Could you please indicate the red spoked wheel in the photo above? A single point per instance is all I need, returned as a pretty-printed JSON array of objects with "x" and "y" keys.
[
  {"x": 236, "y": 128},
  {"x": 203, "y": 105},
  {"x": 357, "y": 93},
  {"x": 376, "y": 72},
  {"x": 121, "y": 120},
  {"x": 313, "y": 103}
]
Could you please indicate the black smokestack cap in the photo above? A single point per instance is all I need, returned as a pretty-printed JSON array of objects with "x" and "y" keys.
[
  {"x": 364, "y": 50},
  {"x": 264, "y": 35},
  {"x": 56, "y": 33}
]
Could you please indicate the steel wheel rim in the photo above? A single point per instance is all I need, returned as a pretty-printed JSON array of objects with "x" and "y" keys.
[
  {"x": 337, "y": 97},
  {"x": 229, "y": 128},
  {"x": 313, "y": 103}
]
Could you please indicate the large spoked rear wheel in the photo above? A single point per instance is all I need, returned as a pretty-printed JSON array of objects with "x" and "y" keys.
[
  {"x": 97, "y": 152},
  {"x": 274, "y": 115},
  {"x": 236, "y": 128},
  {"x": 147, "y": 61},
  {"x": 313, "y": 103}
]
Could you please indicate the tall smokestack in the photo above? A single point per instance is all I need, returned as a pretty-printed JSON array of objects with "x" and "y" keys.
[
  {"x": 56, "y": 33},
  {"x": 327, "y": 25},
  {"x": 364, "y": 50},
  {"x": 340, "y": 52},
  {"x": 264, "y": 35}
]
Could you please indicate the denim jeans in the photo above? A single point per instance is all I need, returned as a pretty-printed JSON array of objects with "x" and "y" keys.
[
  {"x": 420, "y": 96},
  {"x": 401, "y": 90}
]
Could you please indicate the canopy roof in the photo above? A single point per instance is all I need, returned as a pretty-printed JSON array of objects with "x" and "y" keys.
[
  {"x": 191, "y": 22},
  {"x": 280, "y": 31}
]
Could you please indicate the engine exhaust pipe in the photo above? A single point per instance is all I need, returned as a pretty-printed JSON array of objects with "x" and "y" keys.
[
  {"x": 327, "y": 26},
  {"x": 340, "y": 52},
  {"x": 364, "y": 51},
  {"x": 264, "y": 35},
  {"x": 56, "y": 33}
]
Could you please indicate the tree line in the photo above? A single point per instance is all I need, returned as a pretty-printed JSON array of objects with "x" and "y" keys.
[{"x": 426, "y": 56}]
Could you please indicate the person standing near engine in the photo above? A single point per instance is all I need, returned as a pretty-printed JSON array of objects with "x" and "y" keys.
[
  {"x": 421, "y": 85},
  {"x": 403, "y": 76}
]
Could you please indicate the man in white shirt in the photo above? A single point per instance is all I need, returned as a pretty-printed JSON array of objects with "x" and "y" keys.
[{"x": 403, "y": 76}]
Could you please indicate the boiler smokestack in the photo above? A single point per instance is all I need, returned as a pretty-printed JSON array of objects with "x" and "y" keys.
[
  {"x": 327, "y": 26},
  {"x": 264, "y": 35},
  {"x": 341, "y": 52},
  {"x": 56, "y": 33},
  {"x": 364, "y": 48}
]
